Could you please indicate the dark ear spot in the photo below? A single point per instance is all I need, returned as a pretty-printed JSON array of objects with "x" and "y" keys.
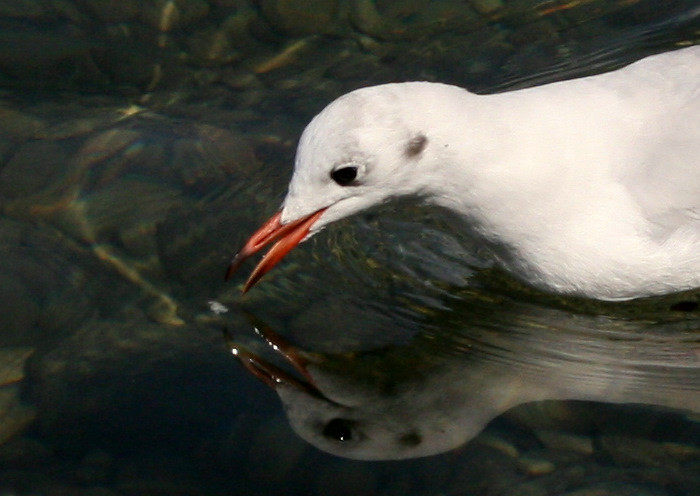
[
  {"x": 415, "y": 145},
  {"x": 410, "y": 439}
]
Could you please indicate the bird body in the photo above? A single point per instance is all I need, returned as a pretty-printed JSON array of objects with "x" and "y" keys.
[{"x": 588, "y": 187}]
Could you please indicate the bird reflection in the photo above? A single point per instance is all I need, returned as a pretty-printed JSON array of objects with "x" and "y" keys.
[{"x": 471, "y": 365}]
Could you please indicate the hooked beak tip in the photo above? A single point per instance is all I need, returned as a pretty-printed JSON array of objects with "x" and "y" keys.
[
  {"x": 233, "y": 267},
  {"x": 248, "y": 284}
]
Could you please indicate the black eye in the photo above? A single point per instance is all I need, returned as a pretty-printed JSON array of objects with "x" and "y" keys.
[
  {"x": 344, "y": 175},
  {"x": 339, "y": 429}
]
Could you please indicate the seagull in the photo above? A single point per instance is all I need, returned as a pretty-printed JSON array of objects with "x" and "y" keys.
[{"x": 587, "y": 187}]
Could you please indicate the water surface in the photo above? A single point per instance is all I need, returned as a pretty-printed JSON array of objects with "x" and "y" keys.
[{"x": 141, "y": 144}]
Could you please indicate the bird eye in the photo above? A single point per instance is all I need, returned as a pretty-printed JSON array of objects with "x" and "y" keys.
[
  {"x": 339, "y": 429},
  {"x": 344, "y": 175}
]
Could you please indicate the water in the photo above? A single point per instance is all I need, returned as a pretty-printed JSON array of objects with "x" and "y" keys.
[{"x": 141, "y": 144}]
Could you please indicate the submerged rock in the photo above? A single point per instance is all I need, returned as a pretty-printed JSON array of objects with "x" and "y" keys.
[
  {"x": 12, "y": 364},
  {"x": 148, "y": 379},
  {"x": 169, "y": 15},
  {"x": 15, "y": 415},
  {"x": 303, "y": 18},
  {"x": 114, "y": 10}
]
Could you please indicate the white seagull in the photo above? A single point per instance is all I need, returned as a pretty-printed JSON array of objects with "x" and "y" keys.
[{"x": 587, "y": 187}]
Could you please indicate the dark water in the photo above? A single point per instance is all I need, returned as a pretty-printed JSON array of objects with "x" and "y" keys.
[{"x": 140, "y": 143}]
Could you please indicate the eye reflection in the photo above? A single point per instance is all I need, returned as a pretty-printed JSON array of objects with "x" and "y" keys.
[{"x": 339, "y": 429}]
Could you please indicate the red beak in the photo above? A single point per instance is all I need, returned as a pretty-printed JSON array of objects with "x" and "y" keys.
[{"x": 288, "y": 235}]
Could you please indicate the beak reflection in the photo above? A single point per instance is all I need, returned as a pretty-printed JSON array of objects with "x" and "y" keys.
[{"x": 271, "y": 374}]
